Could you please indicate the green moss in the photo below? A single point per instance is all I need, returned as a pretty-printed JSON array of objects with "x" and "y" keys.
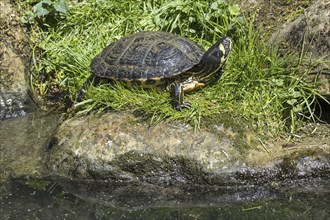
[{"x": 38, "y": 184}]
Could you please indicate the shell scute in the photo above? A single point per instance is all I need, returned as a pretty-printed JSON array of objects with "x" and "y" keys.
[{"x": 147, "y": 55}]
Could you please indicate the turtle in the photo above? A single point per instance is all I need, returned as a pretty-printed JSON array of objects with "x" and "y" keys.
[{"x": 160, "y": 59}]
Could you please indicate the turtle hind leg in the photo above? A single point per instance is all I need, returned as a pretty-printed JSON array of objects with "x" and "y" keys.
[
  {"x": 177, "y": 96},
  {"x": 80, "y": 95},
  {"x": 92, "y": 80}
]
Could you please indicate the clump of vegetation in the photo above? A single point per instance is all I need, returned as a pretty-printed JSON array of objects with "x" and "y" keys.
[
  {"x": 45, "y": 11},
  {"x": 259, "y": 84}
]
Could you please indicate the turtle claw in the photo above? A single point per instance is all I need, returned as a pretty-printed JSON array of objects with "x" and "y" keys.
[
  {"x": 80, "y": 95},
  {"x": 184, "y": 105}
]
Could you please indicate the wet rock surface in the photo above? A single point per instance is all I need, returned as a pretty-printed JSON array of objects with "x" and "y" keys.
[
  {"x": 101, "y": 146},
  {"x": 302, "y": 174},
  {"x": 21, "y": 144},
  {"x": 15, "y": 56},
  {"x": 94, "y": 156}
]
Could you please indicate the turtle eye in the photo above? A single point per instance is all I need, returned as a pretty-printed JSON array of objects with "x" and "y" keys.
[{"x": 217, "y": 53}]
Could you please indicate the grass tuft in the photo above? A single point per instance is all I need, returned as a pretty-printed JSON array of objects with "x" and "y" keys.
[{"x": 259, "y": 84}]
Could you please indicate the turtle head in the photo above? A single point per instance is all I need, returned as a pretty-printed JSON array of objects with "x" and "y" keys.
[
  {"x": 213, "y": 61},
  {"x": 217, "y": 54},
  {"x": 225, "y": 47}
]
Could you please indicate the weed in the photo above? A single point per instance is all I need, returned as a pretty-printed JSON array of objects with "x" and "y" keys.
[{"x": 45, "y": 12}]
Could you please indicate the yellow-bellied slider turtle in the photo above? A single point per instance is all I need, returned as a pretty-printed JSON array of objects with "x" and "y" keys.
[{"x": 161, "y": 59}]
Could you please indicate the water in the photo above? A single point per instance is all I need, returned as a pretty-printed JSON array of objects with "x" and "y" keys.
[{"x": 22, "y": 201}]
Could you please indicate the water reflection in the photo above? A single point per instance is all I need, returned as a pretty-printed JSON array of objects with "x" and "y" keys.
[{"x": 20, "y": 200}]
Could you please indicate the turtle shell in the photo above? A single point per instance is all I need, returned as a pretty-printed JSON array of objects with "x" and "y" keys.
[{"x": 151, "y": 55}]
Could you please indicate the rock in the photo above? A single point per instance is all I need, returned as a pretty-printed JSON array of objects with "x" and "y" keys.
[
  {"x": 118, "y": 160},
  {"x": 120, "y": 146},
  {"x": 249, "y": 5},
  {"x": 21, "y": 144},
  {"x": 15, "y": 56},
  {"x": 310, "y": 33},
  {"x": 311, "y": 30}
]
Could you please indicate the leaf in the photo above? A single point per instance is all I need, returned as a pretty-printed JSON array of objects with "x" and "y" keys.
[
  {"x": 61, "y": 7},
  {"x": 192, "y": 30},
  {"x": 28, "y": 18},
  {"x": 291, "y": 101},
  {"x": 214, "y": 5},
  {"x": 233, "y": 10},
  {"x": 297, "y": 108},
  {"x": 278, "y": 82},
  {"x": 39, "y": 9},
  {"x": 191, "y": 19},
  {"x": 296, "y": 94}
]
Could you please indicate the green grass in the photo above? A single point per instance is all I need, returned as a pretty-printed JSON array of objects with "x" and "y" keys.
[{"x": 259, "y": 84}]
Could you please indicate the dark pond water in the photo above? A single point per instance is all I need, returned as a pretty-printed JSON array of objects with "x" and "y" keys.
[{"x": 20, "y": 201}]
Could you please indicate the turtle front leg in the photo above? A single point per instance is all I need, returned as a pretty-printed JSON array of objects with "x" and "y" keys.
[
  {"x": 177, "y": 96},
  {"x": 191, "y": 84},
  {"x": 92, "y": 80},
  {"x": 178, "y": 89}
]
